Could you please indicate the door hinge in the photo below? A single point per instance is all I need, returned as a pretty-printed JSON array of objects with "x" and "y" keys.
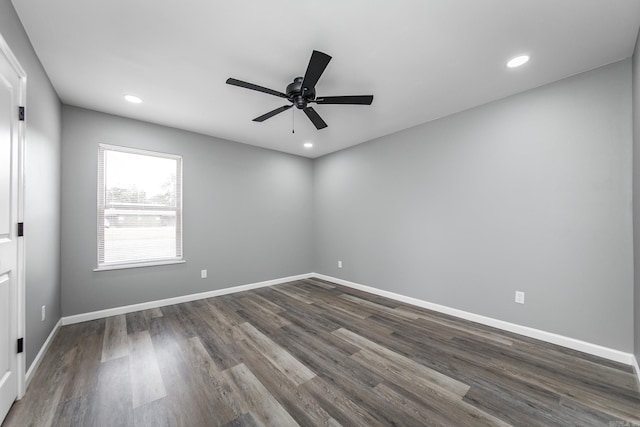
[
  {"x": 21, "y": 114},
  {"x": 20, "y": 229},
  {"x": 20, "y": 345}
]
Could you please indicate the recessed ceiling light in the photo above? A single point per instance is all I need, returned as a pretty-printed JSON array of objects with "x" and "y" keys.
[
  {"x": 308, "y": 145},
  {"x": 518, "y": 61},
  {"x": 133, "y": 99}
]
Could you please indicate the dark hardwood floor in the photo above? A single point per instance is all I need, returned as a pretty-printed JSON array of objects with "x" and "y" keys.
[{"x": 314, "y": 353}]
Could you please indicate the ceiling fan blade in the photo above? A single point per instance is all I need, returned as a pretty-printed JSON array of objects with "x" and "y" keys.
[
  {"x": 353, "y": 100},
  {"x": 315, "y": 118},
  {"x": 270, "y": 114},
  {"x": 316, "y": 67},
  {"x": 251, "y": 86}
]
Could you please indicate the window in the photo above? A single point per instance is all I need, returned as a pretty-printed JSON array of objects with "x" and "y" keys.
[{"x": 139, "y": 208}]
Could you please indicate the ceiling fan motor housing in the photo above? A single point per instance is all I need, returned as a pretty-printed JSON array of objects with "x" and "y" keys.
[{"x": 296, "y": 95}]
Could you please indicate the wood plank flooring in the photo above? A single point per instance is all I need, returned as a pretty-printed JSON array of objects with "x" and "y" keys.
[{"x": 313, "y": 353}]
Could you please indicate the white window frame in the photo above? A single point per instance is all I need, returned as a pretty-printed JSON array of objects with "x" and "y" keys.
[{"x": 101, "y": 208}]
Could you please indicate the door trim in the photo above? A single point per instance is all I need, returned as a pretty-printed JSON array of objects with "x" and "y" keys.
[{"x": 20, "y": 268}]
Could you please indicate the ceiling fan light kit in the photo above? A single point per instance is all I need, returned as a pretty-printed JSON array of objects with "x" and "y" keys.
[{"x": 302, "y": 92}]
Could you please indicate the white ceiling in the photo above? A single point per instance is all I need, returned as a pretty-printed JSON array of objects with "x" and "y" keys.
[{"x": 421, "y": 59}]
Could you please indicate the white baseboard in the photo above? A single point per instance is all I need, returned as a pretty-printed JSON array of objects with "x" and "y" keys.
[
  {"x": 84, "y": 317},
  {"x": 572, "y": 343},
  {"x": 36, "y": 362}
]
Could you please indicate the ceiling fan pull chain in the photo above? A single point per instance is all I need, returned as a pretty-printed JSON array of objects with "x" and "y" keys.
[{"x": 293, "y": 121}]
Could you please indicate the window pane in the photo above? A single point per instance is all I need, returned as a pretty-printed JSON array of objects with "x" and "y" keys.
[
  {"x": 139, "y": 211},
  {"x": 131, "y": 243}
]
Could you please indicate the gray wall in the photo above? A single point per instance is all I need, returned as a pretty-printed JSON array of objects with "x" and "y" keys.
[
  {"x": 42, "y": 202},
  {"x": 247, "y": 214},
  {"x": 529, "y": 193},
  {"x": 636, "y": 194}
]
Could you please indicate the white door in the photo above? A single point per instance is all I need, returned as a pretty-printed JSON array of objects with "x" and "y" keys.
[{"x": 10, "y": 92}]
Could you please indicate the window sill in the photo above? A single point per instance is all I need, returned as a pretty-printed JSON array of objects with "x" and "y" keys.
[{"x": 138, "y": 265}]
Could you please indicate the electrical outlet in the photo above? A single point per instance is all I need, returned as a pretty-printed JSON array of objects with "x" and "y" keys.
[
  {"x": 339, "y": 264},
  {"x": 520, "y": 297},
  {"x": 43, "y": 312},
  {"x": 203, "y": 274}
]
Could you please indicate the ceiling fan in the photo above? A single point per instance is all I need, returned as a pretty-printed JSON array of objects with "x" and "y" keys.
[{"x": 302, "y": 91}]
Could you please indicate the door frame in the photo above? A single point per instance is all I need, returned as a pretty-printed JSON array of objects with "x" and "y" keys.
[{"x": 20, "y": 266}]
